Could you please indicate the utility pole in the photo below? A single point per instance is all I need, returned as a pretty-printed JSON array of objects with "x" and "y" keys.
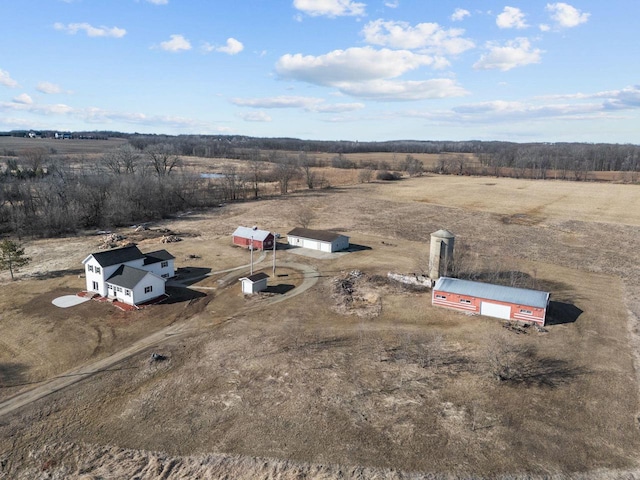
[
  {"x": 275, "y": 237},
  {"x": 251, "y": 249}
]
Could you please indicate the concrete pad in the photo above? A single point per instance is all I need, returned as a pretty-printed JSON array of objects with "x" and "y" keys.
[
  {"x": 308, "y": 252},
  {"x": 67, "y": 301}
]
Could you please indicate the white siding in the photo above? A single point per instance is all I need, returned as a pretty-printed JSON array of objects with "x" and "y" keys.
[
  {"x": 161, "y": 271},
  {"x": 139, "y": 295}
]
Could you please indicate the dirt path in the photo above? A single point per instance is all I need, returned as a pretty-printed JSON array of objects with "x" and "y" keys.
[{"x": 73, "y": 376}]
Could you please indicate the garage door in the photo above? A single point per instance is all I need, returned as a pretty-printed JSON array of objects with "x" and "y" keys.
[{"x": 495, "y": 310}]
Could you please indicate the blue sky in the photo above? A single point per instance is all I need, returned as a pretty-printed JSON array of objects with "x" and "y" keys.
[{"x": 369, "y": 70}]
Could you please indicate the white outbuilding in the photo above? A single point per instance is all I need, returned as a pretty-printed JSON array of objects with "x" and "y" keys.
[
  {"x": 322, "y": 240},
  {"x": 254, "y": 283}
]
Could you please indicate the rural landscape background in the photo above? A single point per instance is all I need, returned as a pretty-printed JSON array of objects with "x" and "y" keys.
[{"x": 337, "y": 371}]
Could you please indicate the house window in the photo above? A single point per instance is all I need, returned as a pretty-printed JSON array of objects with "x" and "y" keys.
[
  {"x": 464, "y": 300},
  {"x": 148, "y": 289},
  {"x": 95, "y": 286},
  {"x": 97, "y": 269},
  {"x": 127, "y": 293},
  {"x": 527, "y": 312},
  {"x": 119, "y": 289},
  {"x": 441, "y": 297},
  {"x": 164, "y": 264},
  {"x": 165, "y": 275},
  {"x": 90, "y": 268}
]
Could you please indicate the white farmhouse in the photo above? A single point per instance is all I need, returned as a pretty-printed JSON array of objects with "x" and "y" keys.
[
  {"x": 323, "y": 240},
  {"x": 128, "y": 275}
]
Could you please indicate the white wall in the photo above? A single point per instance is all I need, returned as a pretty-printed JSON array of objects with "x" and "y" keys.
[
  {"x": 151, "y": 280},
  {"x": 160, "y": 271}
]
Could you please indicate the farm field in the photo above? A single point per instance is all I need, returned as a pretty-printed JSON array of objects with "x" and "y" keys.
[{"x": 327, "y": 384}]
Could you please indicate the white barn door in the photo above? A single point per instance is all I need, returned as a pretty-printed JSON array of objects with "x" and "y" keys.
[{"x": 495, "y": 310}]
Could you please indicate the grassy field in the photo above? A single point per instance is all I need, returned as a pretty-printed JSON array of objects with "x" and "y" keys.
[{"x": 365, "y": 387}]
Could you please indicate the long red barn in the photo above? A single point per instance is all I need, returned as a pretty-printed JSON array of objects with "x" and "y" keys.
[{"x": 497, "y": 301}]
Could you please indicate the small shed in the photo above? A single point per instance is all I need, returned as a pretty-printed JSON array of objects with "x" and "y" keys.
[
  {"x": 322, "y": 240},
  {"x": 508, "y": 303},
  {"x": 245, "y": 236},
  {"x": 254, "y": 283}
]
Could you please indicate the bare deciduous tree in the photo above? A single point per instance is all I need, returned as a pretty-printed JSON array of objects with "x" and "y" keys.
[{"x": 162, "y": 158}]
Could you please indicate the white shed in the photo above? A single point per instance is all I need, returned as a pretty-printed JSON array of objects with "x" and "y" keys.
[
  {"x": 254, "y": 283},
  {"x": 322, "y": 240}
]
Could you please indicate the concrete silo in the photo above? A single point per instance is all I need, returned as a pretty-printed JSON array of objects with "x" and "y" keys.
[{"x": 440, "y": 254}]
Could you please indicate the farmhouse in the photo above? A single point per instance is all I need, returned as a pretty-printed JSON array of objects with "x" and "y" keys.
[
  {"x": 322, "y": 240},
  {"x": 245, "y": 237},
  {"x": 254, "y": 283},
  {"x": 497, "y": 301},
  {"x": 128, "y": 275}
]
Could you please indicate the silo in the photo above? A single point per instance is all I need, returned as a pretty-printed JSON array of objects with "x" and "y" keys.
[{"x": 441, "y": 254}]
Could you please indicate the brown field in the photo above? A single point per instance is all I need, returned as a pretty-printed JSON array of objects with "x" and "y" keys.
[{"x": 313, "y": 387}]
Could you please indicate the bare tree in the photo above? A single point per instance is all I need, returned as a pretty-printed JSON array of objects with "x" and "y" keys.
[
  {"x": 307, "y": 163},
  {"x": 123, "y": 159},
  {"x": 162, "y": 158},
  {"x": 304, "y": 215},
  {"x": 285, "y": 171}
]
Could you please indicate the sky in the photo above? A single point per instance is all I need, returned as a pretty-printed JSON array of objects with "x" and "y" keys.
[{"x": 369, "y": 70}]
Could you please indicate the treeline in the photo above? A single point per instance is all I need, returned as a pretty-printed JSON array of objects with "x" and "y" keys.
[{"x": 41, "y": 196}]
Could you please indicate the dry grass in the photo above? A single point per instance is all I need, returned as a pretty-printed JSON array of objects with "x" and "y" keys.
[{"x": 410, "y": 388}]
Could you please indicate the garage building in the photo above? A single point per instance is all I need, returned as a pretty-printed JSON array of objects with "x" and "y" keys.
[
  {"x": 508, "y": 303},
  {"x": 322, "y": 240}
]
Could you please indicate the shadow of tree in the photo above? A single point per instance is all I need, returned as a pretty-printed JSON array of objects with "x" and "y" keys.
[{"x": 57, "y": 273}]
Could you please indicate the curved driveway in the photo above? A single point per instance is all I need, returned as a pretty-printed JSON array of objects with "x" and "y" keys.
[{"x": 70, "y": 377}]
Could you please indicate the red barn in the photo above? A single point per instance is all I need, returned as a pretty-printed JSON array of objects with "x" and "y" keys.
[
  {"x": 262, "y": 240},
  {"x": 497, "y": 301}
]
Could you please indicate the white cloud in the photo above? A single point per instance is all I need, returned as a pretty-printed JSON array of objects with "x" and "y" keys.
[
  {"x": 515, "y": 53},
  {"x": 24, "y": 99},
  {"x": 366, "y": 72},
  {"x": 258, "y": 116},
  {"x": 232, "y": 47},
  {"x": 309, "y": 104},
  {"x": 330, "y": 8},
  {"x": 544, "y": 27},
  {"x": 511, "y": 17},
  {"x": 90, "y": 30},
  {"x": 459, "y": 14},
  {"x": 565, "y": 15},
  {"x": 350, "y": 65},
  {"x": 177, "y": 43},
  {"x": 6, "y": 80},
  {"x": 392, "y": 3},
  {"x": 48, "y": 88},
  {"x": 428, "y": 36},
  {"x": 158, "y": 2}
]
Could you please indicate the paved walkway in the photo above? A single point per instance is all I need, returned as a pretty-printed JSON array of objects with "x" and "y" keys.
[{"x": 75, "y": 375}]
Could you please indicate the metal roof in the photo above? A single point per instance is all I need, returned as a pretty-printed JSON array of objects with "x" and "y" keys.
[
  {"x": 246, "y": 232},
  {"x": 321, "y": 235},
  {"x": 127, "y": 277},
  {"x": 157, "y": 256},
  {"x": 116, "y": 256},
  {"x": 489, "y": 291}
]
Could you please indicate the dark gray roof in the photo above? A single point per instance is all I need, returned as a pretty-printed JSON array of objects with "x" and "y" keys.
[
  {"x": 127, "y": 277},
  {"x": 118, "y": 255},
  {"x": 322, "y": 235},
  {"x": 157, "y": 256},
  {"x": 256, "y": 277},
  {"x": 488, "y": 291}
]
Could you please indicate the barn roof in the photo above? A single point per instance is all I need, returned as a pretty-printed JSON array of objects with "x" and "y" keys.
[
  {"x": 157, "y": 256},
  {"x": 488, "y": 291},
  {"x": 246, "y": 232},
  {"x": 321, "y": 235},
  {"x": 127, "y": 277},
  {"x": 116, "y": 256}
]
